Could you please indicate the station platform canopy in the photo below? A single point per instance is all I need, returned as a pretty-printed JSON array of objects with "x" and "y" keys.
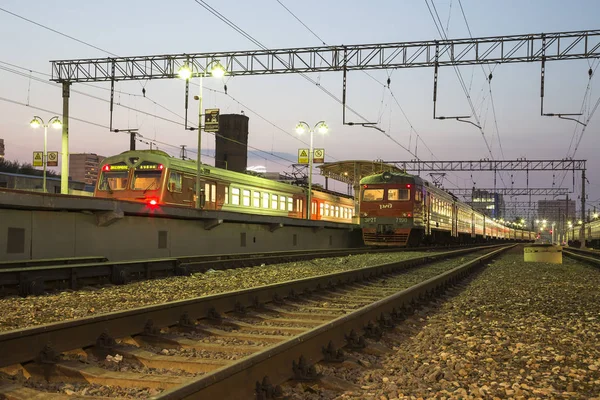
[{"x": 352, "y": 171}]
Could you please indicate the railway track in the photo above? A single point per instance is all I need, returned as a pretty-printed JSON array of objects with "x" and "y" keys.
[
  {"x": 588, "y": 256},
  {"x": 35, "y": 277},
  {"x": 233, "y": 345}
]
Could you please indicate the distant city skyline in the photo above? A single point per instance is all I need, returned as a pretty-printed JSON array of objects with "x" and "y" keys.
[{"x": 512, "y": 125}]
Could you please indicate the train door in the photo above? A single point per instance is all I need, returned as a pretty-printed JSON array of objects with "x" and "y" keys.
[
  {"x": 427, "y": 212},
  {"x": 209, "y": 189},
  {"x": 187, "y": 196},
  {"x": 454, "y": 220}
]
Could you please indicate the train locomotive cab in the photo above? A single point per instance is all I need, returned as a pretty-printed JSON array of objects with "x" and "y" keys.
[{"x": 390, "y": 204}]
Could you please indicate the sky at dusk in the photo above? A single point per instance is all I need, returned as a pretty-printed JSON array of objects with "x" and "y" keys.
[{"x": 512, "y": 125}]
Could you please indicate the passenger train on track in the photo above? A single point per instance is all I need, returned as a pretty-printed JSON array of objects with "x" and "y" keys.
[
  {"x": 157, "y": 179},
  {"x": 592, "y": 234},
  {"x": 398, "y": 209}
]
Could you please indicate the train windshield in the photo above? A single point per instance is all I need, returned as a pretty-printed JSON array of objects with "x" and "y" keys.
[
  {"x": 373, "y": 195},
  {"x": 113, "y": 180},
  {"x": 398, "y": 194},
  {"x": 146, "y": 180}
]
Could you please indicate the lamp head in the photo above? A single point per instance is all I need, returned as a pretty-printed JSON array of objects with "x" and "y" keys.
[
  {"x": 323, "y": 128},
  {"x": 218, "y": 71},
  {"x": 185, "y": 72},
  {"x": 56, "y": 124},
  {"x": 35, "y": 123},
  {"x": 300, "y": 129}
]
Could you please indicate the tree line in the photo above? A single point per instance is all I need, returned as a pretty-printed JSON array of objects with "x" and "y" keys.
[{"x": 15, "y": 167}]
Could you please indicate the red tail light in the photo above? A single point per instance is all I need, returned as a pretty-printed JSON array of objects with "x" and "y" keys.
[
  {"x": 408, "y": 186},
  {"x": 106, "y": 168},
  {"x": 153, "y": 202},
  {"x": 161, "y": 167},
  {"x": 409, "y": 215}
]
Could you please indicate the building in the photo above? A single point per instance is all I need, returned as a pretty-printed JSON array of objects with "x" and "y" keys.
[
  {"x": 231, "y": 143},
  {"x": 84, "y": 167},
  {"x": 558, "y": 211},
  {"x": 488, "y": 203},
  {"x": 1, "y": 148},
  {"x": 36, "y": 183}
]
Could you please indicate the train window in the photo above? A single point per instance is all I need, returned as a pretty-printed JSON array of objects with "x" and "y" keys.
[
  {"x": 256, "y": 199},
  {"x": 246, "y": 198},
  {"x": 300, "y": 206},
  {"x": 206, "y": 192},
  {"x": 265, "y": 200},
  {"x": 290, "y": 204},
  {"x": 226, "y": 194},
  {"x": 372, "y": 195},
  {"x": 282, "y": 200},
  {"x": 235, "y": 196},
  {"x": 146, "y": 180},
  {"x": 337, "y": 211},
  {"x": 274, "y": 200},
  {"x": 322, "y": 208},
  {"x": 326, "y": 210},
  {"x": 398, "y": 194},
  {"x": 175, "y": 182},
  {"x": 418, "y": 195},
  {"x": 313, "y": 208},
  {"x": 213, "y": 193},
  {"x": 113, "y": 180}
]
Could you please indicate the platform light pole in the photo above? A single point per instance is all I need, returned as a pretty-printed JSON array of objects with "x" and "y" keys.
[
  {"x": 300, "y": 129},
  {"x": 186, "y": 73},
  {"x": 35, "y": 123}
]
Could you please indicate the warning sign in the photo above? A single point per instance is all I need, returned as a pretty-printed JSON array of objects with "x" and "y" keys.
[
  {"x": 211, "y": 120},
  {"x": 302, "y": 156},
  {"x": 38, "y": 158},
  {"x": 52, "y": 160},
  {"x": 319, "y": 156}
]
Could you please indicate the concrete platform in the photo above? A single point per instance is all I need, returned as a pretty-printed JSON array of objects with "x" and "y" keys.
[{"x": 36, "y": 225}]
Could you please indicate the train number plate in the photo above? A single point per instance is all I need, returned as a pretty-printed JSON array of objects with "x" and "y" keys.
[
  {"x": 369, "y": 220},
  {"x": 401, "y": 220}
]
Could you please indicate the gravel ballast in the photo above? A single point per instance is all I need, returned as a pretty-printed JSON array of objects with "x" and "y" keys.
[
  {"x": 518, "y": 330},
  {"x": 20, "y": 313}
]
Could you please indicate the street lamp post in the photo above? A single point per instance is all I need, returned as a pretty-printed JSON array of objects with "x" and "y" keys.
[
  {"x": 36, "y": 122},
  {"x": 185, "y": 72},
  {"x": 300, "y": 129}
]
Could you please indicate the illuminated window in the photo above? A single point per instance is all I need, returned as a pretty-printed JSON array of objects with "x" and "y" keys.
[
  {"x": 207, "y": 192},
  {"x": 116, "y": 180},
  {"x": 398, "y": 194},
  {"x": 226, "y": 194},
  {"x": 213, "y": 193},
  {"x": 175, "y": 182},
  {"x": 256, "y": 199},
  {"x": 246, "y": 198},
  {"x": 326, "y": 210},
  {"x": 290, "y": 203},
  {"x": 282, "y": 201},
  {"x": 265, "y": 200},
  {"x": 337, "y": 211},
  {"x": 313, "y": 208},
  {"x": 235, "y": 196},
  {"x": 321, "y": 208},
  {"x": 274, "y": 200},
  {"x": 372, "y": 195}
]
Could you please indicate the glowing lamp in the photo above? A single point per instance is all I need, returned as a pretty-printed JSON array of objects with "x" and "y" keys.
[
  {"x": 35, "y": 123},
  {"x": 184, "y": 72},
  {"x": 153, "y": 202},
  {"x": 57, "y": 124},
  {"x": 300, "y": 129},
  {"x": 323, "y": 128},
  {"x": 106, "y": 168},
  {"x": 218, "y": 71}
]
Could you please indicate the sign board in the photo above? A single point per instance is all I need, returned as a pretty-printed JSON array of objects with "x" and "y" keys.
[
  {"x": 211, "y": 120},
  {"x": 52, "y": 160},
  {"x": 319, "y": 155},
  {"x": 302, "y": 156},
  {"x": 38, "y": 158}
]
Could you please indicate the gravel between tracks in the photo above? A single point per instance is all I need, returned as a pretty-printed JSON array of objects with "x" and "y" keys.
[
  {"x": 518, "y": 330},
  {"x": 20, "y": 313}
]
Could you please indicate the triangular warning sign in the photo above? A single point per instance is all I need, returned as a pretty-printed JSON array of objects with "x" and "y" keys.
[
  {"x": 38, "y": 156},
  {"x": 303, "y": 153}
]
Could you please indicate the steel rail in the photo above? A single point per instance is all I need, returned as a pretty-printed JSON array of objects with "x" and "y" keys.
[
  {"x": 239, "y": 380},
  {"x": 583, "y": 255},
  {"x": 24, "y": 345}
]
